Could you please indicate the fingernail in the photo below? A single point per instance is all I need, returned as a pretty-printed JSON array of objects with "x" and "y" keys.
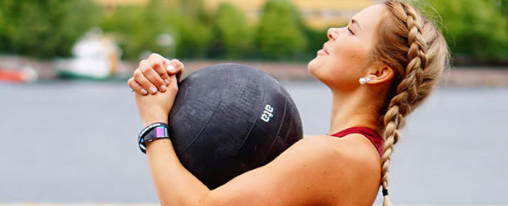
[
  {"x": 163, "y": 88},
  {"x": 153, "y": 90},
  {"x": 171, "y": 68},
  {"x": 144, "y": 91},
  {"x": 167, "y": 81}
]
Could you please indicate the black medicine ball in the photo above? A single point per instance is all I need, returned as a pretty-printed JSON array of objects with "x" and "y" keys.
[{"x": 231, "y": 118}]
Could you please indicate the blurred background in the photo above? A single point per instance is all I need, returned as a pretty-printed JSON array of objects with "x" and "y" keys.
[{"x": 68, "y": 121}]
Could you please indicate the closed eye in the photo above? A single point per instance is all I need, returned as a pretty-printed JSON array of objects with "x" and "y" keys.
[{"x": 350, "y": 31}]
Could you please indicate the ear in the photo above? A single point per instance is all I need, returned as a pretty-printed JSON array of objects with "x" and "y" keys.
[{"x": 382, "y": 74}]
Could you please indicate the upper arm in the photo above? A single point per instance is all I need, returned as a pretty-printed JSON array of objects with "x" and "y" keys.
[{"x": 312, "y": 171}]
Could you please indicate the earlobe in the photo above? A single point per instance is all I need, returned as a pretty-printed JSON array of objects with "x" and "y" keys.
[{"x": 381, "y": 75}]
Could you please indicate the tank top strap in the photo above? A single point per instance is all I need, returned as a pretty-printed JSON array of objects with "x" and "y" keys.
[{"x": 373, "y": 136}]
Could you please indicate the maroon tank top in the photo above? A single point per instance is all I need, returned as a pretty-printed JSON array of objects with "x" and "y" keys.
[{"x": 374, "y": 138}]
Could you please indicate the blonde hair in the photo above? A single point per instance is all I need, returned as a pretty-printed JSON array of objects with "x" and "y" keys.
[{"x": 417, "y": 52}]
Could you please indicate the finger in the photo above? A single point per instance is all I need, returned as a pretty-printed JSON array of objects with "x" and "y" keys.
[
  {"x": 151, "y": 75},
  {"x": 140, "y": 78},
  {"x": 156, "y": 56},
  {"x": 158, "y": 63},
  {"x": 175, "y": 67},
  {"x": 136, "y": 87},
  {"x": 174, "y": 83}
]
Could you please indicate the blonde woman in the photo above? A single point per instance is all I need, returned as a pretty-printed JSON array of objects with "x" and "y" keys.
[{"x": 379, "y": 67}]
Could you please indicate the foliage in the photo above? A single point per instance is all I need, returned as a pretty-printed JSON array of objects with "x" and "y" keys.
[
  {"x": 128, "y": 25},
  {"x": 475, "y": 28},
  {"x": 44, "y": 28},
  {"x": 138, "y": 29},
  {"x": 193, "y": 37},
  {"x": 503, "y": 4},
  {"x": 280, "y": 33},
  {"x": 232, "y": 38},
  {"x": 316, "y": 38}
]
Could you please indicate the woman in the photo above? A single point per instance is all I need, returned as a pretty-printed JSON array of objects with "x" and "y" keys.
[{"x": 379, "y": 68}]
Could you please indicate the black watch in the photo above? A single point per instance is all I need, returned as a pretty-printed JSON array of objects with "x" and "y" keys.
[{"x": 152, "y": 132}]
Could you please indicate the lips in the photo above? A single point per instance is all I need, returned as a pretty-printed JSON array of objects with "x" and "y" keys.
[
  {"x": 323, "y": 51},
  {"x": 326, "y": 51}
]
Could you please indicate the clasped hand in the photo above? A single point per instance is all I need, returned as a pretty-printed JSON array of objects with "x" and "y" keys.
[{"x": 155, "y": 84}]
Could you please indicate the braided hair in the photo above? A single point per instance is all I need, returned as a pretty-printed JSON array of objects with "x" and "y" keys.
[{"x": 417, "y": 52}]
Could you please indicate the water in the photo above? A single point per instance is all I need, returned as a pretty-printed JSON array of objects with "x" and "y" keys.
[{"x": 76, "y": 142}]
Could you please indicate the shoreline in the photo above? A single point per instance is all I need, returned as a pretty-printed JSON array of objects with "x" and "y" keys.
[{"x": 460, "y": 76}]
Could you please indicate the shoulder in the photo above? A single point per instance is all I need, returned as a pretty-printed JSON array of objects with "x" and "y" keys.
[
  {"x": 353, "y": 156},
  {"x": 353, "y": 149},
  {"x": 354, "y": 165},
  {"x": 315, "y": 170}
]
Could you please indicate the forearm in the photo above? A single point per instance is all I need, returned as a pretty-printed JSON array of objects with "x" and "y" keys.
[{"x": 173, "y": 183}]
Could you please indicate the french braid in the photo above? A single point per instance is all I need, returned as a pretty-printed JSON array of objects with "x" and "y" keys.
[{"x": 417, "y": 52}]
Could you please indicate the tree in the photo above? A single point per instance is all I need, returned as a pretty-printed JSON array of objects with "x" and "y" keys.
[
  {"x": 139, "y": 27},
  {"x": 192, "y": 38},
  {"x": 232, "y": 38},
  {"x": 4, "y": 41},
  {"x": 503, "y": 4},
  {"x": 44, "y": 28},
  {"x": 474, "y": 28},
  {"x": 280, "y": 33}
]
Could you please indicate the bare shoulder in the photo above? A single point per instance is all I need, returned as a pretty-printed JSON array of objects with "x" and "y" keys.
[
  {"x": 353, "y": 148},
  {"x": 353, "y": 159},
  {"x": 318, "y": 170}
]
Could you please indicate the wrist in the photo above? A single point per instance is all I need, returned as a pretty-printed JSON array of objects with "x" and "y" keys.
[
  {"x": 150, "y": 121},
  {"x": 154, "y": 117}
]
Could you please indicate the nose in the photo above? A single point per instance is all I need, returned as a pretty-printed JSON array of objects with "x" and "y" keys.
[{"x": 332, "y": 33}]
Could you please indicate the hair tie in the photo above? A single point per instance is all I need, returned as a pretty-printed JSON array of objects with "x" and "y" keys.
[{"x": 385, "y": 192}]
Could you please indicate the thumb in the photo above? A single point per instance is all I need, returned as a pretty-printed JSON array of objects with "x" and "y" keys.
[
  {"x": 174, "y": 82},
  {"x": 173, "y": 67}
]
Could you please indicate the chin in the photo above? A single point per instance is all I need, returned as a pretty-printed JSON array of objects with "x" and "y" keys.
[
  {"x": 312, "y": 66},
  {"x": 315, "y": 70}
]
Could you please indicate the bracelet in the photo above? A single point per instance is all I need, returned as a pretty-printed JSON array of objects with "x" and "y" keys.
[{"x": 152, "y": 132}]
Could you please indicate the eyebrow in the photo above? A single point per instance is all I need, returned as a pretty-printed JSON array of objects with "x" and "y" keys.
[{"x": 354, "y": 21}]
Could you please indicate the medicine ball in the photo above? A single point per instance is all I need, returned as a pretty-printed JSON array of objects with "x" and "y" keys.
[{"x": 230, "y": 118}]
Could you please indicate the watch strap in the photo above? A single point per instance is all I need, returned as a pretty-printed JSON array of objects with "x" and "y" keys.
[{"x": 152, "y": 132}]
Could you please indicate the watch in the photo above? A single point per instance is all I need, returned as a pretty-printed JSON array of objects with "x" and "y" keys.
[{"x": 152, "y": 132}]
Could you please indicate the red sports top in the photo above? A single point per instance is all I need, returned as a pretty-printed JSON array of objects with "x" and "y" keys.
[{"x": 374, "y": 138}]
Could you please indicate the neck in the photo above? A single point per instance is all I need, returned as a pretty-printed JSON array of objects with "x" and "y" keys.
[{"x": 354, "y": 110}]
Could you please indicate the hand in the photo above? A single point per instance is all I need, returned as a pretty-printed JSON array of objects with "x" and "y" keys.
[
  {"x": 156, "y": 108},
  {"x": 154, "y": 74}
]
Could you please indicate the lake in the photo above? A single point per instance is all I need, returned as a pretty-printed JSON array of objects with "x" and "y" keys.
[{"x": 76, "y": 142}]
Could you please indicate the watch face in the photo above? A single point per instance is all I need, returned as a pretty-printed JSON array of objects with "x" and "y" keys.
[{"x": 161, "y": 131}]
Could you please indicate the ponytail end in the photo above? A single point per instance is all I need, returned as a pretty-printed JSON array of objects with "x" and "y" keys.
[{"x": 386, "y": 201}]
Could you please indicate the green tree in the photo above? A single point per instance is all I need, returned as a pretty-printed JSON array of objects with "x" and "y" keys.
[
  {"x": 503, "y": 4},
  {"x": 44, "y": 28},
  {"x": 316, "y": 39},
  {"x": 4, "y": 41},
  {"x": 129, "y": 25},
  {"x": 280, "y": 34},
  {"x": 474, "y": 28},
  {"x": 192, "y": 38},
  {"x": 138, "y": 29},
  {"x": 232, "y": 37}
]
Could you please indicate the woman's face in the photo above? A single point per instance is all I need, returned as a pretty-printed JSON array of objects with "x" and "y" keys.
[{"x": 345, "y": 56}]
